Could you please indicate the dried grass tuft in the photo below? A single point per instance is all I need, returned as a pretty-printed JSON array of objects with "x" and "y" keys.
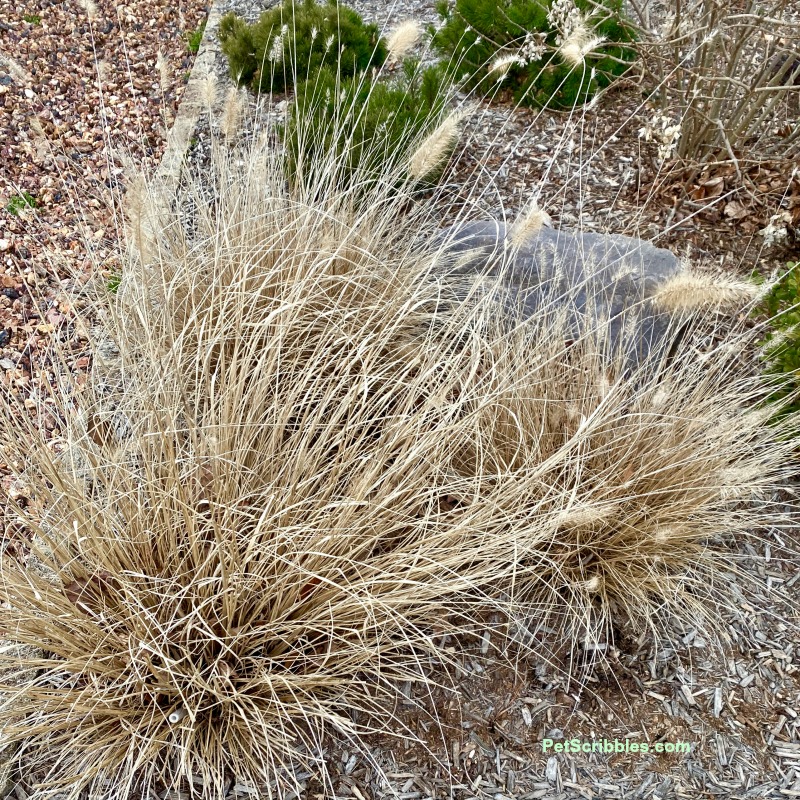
[{"x": 308, "y": 462}]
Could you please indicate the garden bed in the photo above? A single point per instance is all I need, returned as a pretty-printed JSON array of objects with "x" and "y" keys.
[{"x": 740, "y": 713}]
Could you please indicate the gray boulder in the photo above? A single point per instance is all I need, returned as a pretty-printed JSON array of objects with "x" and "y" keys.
[{"x": 605, "y": 281}]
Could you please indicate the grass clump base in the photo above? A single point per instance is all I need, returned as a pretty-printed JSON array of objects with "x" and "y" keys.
[{"x": 317, "y": 451}]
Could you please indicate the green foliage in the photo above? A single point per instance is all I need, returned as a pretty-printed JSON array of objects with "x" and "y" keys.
[
  {"x": 194, "y": 37},
  {"x": 113, "y": 282},
  {"x": 782, "y": 345},
  {"x": 370, "y": 125},
  {"x": 476, "y": 33},
  {"x": 295, "y": 40},
  {"x": 20, "y": 202},
  {"x": 33, "y": 19}
]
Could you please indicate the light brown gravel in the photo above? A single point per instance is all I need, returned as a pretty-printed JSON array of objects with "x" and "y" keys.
[{"x": 81, "y": 93}]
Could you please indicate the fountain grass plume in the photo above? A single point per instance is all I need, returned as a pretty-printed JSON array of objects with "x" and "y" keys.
[{"x": 403, "y": 39}]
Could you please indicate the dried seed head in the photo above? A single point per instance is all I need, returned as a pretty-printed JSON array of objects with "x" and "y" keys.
[
  {"x": 90, "y": 8},
  {"x": 602, "y": 379},
  {"x": 209, "y": 89},
  {"x": 501, "y": 66},
  {"x": 402, "y": 39},
  {"x": 276, "y": 51},
  {"x": 144, "y": 205},
  {"x": 578, "y": 43},
  {"x": 757, "y": 418},
  {"x": 135, "y": 194},
  {"x": 575, "y": 54},
  {"x": 164, "y": 72},
  {"x": 776, "y": 340},
  {"x": 583, "y": 514},
  {"x": 435, "y": 148},
  {"x": 663, "y": 534},
  {"x": 594, "y": 584},
  {"x": 738, "y": 482},
  {"x": 688, "y": 291},
  {"x": 231, "y": 113},
  {"x": 528, "y": 224},
  {"x": 661, "y": 396}
]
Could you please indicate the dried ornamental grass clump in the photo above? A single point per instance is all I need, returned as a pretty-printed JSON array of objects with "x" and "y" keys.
[
  {"x": 246, "y": 539},
  {"x": 631, "y": 480},
  {"x": 313, "y": 456}
]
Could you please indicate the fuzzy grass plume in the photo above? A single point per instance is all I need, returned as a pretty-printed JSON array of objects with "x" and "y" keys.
[
  {"x": 578, "y": 42},
  {"x": 434, "y": 150},
  {"x": 312, "y": 456},
  {"x": 403, "y": 39}
]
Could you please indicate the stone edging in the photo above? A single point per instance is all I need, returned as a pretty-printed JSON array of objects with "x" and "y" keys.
[{"x": 191, "y": 105}]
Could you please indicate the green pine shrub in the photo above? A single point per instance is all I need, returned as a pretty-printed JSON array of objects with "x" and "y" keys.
[
  {"x": 546, "y": 52},
  {"x": 781, "y": 347},
  {"x": 366, "y": 126},
  {"x": 295, "y": 40}
]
